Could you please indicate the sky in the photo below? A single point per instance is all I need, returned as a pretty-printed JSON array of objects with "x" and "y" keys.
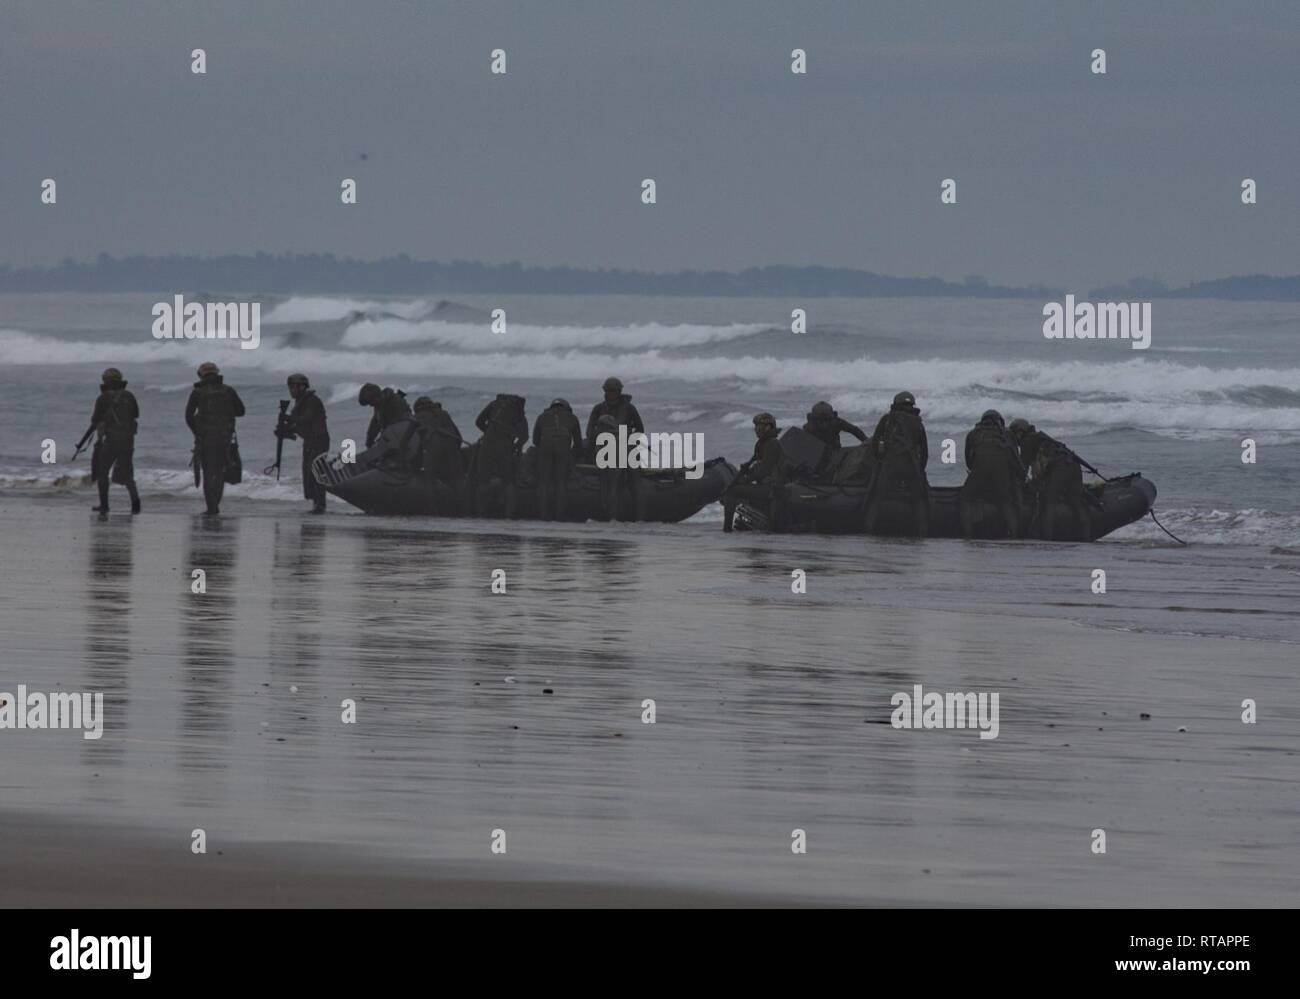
[{"x": 1063, "y": 177}]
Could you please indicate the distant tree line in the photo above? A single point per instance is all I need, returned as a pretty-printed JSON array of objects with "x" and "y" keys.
[{"x": 401, "y": 275}]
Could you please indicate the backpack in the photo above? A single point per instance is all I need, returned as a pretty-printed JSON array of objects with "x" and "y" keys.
[
  {"x": 557, "y": 428},
  {"x": 216, "y": 410},
  {"x": 119, "y": 423}
]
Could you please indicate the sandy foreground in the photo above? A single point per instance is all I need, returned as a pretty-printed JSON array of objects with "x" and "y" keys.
[
  {"x": 50, "y": 863},
  {"x": 524, "y": 712}
]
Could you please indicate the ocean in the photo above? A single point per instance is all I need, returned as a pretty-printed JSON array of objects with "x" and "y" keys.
[
  {"x": 1216, "y": 374},
  {"x": 525, "y": 711}
]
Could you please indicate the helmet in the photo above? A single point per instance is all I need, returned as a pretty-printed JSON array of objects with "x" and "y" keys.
[
  {"x": 298, "y": 380},
  {"x": 607, "y": 422},
  {"x": 369, "y": 394},
  {"x": 764, "y": 419},
  {"x": 612, "y": 385},
  {"x": 1019, "y": 426},
  {"x": 563, "y": 403},
  {"x": 822, "y": 411},
  {"x": 111, "y": 375},
  {"x": 994, "y": 416},
  {"x": 207, "y": 368},
  {"x": 423, "y": 403},
  {"x": 904, "y": 399}
]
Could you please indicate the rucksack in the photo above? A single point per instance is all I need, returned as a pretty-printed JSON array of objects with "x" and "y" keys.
[{"x": 119, "y": 421}]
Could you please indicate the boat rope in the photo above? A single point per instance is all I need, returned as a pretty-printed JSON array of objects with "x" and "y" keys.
[{"x": 1165, "y": 529}]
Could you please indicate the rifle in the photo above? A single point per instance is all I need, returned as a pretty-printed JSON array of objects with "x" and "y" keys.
[
  {"x": 81, "y": 444},
  {"x": 1088, "y": 467},
  {"x": 281, "y": 431}
]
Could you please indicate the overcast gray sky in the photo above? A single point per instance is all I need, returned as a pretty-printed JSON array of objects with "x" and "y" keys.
[{"x": 1062, "y": 177}]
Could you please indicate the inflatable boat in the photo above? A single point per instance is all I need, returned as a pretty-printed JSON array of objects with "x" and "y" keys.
[
  {"x": 842, "y": 510},
  {"x": 830, "y": 508},
  {"x": 382, "y": 481}
]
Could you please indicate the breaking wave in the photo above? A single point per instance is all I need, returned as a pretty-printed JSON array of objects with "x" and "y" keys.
[
  {"x": 1162, "y": 396},
  {"x": 477, "y": 337}
]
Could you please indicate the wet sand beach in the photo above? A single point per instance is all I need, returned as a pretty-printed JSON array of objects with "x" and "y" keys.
[{"x": 522, "y": 712}]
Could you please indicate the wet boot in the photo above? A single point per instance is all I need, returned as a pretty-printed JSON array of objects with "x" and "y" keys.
[
  {"x": 134, "y": 493},
  {"x": 103, "y": 496}
]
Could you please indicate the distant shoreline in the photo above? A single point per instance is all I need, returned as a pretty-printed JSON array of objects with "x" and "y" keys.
[{"x": 402, "y": 275}]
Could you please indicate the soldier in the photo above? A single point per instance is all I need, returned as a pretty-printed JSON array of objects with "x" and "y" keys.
[
  {"x": 826, "y": 425},
  {"x": 902, "y": 452},
  {"x": 617, "y": 405},
  {"x": 440, "y": 442},
  {"x": 558, "y": 439},
  {"x": 618, "y": 408},
  {"x": 210, "y": 414},
  {"x": 114, "y": 421},
  {"x": 1056, "y": 479},
  {"x": 755, "y": 478},
  {"x": 994, "y": 477},
  {"x": 306, "y": 422},
  {"x": 389, "y": 405},
  {"x": 505, "y": 432}
]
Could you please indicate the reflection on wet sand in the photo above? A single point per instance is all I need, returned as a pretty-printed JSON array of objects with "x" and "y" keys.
[
  {"x": 523, "y": 710},
  {"x": 209, "y": 624},
  {"x": 109, "y": 586}
]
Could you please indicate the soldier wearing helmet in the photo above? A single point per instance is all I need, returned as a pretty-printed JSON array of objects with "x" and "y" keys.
[
  {"x": 902, "y": 452},
  {"x": 557, "y": 437},
  {"x": 210, "y": 414},
  {"x": 994, "y": 477},
  {"x": 1056, "y": 481},
  {"x": 389, "y": 406},
  {"x": 756, "y": 478},
  {"x": 618, "y": 405},
  {"x": 306, "y": 422},
  {"x": 826, "y": 425},
  {"x": 114, "y": 420},
  {"x": 607, "y": 416}
]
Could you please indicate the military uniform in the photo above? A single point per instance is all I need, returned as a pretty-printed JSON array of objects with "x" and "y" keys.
[
  {"x": 994, "y": 475},
  {"x": 827, "y": 425},
  {"x": 505, "y": 431},
  {"x": 558, "y": 440},
  {"x": 115, "y": 418},
  {"x": 614, "y": 411},
  {"x": 1057, "y": 480},
  {"x": 758, "y": 480},
  {"x": 440, "y": 442},
  {"x": 210, "y": 414},
  {"x": 389, "y": 406},
  {"x": 307, "y": 423},
  {"x": 623, "y": 413},
  {"x": 902, "y": 452}
]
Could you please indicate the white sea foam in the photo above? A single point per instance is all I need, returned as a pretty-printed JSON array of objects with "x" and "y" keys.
[
  {"x": 1158, "y": 395},
  {"x": 519, "y": 337},
  {"x": 312, "y": 309},
  {"x": 152, "y": 481}
]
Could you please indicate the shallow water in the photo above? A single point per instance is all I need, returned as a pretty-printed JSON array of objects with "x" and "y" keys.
[{"x": 772, "y": 707}]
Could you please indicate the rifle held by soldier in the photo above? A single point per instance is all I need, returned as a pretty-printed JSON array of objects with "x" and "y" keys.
[{"x": 283, "y": 430}]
